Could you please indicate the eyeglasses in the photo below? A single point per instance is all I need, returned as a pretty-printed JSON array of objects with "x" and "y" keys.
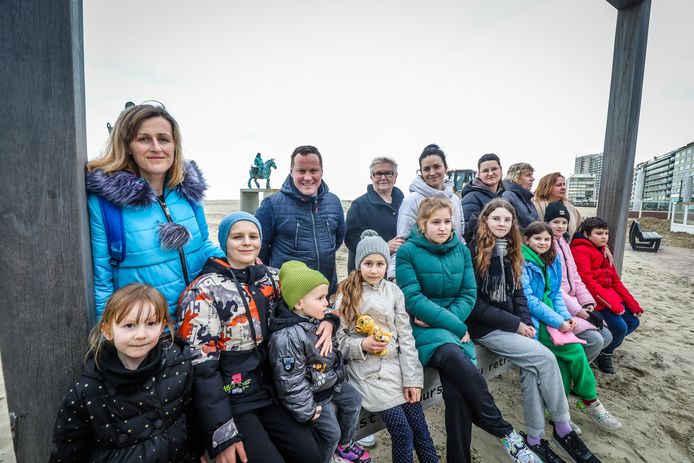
[
  {"x": 383, "y": 174},
  {"x": 489, "y": 171}
]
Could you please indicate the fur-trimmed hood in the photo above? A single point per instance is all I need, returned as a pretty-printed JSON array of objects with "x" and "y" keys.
[{"x": 125, "y": 189}]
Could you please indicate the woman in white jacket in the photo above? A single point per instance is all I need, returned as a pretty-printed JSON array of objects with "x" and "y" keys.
[{"x": 388, "y": 375}]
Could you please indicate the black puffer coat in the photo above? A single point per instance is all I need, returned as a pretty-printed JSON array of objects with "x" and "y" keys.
[
  {"x": 522, "y": 201},
  {"x": 474, "y": 197},
  {"x": 118, "y": 415}
]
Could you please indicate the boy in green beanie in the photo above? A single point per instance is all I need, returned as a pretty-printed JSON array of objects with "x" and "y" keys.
[{"x": 306, "y": 381}]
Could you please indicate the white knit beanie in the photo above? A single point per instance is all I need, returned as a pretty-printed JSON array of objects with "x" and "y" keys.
[{"x": 370, "y": 243}]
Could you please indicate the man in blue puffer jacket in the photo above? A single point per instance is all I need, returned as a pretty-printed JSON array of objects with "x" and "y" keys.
[{"x": 303, "y": 221}]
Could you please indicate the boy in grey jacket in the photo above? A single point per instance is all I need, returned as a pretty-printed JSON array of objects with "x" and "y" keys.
[{"x": 308, "y": 383}]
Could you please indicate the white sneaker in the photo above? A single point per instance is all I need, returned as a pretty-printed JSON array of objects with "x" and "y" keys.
[
  {"x": 367, "y": 441},
  {"x": 600, "y": 415},
  {"x": 515, "y": 447}
]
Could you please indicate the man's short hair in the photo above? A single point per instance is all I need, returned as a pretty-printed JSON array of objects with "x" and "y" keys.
[
  {"x": 382, "y": 159},
  {"x": 591, "y": 223},
  {"x": 305, "y": 151}
]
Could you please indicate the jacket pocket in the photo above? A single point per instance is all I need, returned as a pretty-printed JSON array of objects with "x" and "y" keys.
[
  {"x": 332, "y": 236},
  {"x": 240, "y": 370},
  {"x": 296, "y": 234}
]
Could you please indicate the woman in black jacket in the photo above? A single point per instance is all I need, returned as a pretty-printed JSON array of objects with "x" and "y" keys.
[{"x": 517, "y": 184}]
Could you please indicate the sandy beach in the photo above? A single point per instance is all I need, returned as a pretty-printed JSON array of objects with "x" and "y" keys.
[{"x": 653, "y": 390}]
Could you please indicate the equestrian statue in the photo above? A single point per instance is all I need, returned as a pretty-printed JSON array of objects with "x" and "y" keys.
[{"x": 262, "y": 170}]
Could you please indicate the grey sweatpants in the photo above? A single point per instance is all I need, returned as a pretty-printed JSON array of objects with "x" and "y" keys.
[
  {"x": 596, "y": 340},
  {"x": 540, "y": 378}
]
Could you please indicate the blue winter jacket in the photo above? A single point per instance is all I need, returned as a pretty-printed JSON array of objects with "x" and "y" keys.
[
  {"x": 309, "y": 229},
  {"x": 533, "y": 281},
  {"x": 152, "y": 243}
]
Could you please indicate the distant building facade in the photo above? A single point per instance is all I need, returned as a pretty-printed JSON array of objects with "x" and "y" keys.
[
  {"x": 584, "y": 184},
  {"x": 683, "y": 173}
]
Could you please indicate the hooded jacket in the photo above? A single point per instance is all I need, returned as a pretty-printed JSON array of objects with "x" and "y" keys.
[
  {"x": 164, "y": 252},
  {"x": 601, "y": 278},
  {"x": 419, "y": 191},
  {"x": 475, "y": 195},
  {"x": 533, "y": 281},
  {"x": 573, "y": 291},
  {"x": 233, "y": 352},
  {"x": 522, "y": 201},
  {"x": 370, "y": 212},
  {"x": 380, "y": 380},
  {"x": 309, "y": 229},
  {"x": 488, "y": 315},
  {"x": 439, "y": 287},
  {"x": 304, "y": 378},
  {"x": 118, "y": 415}
]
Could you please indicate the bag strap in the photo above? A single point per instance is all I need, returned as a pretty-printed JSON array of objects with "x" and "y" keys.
[{"x": 115, "y": 233}]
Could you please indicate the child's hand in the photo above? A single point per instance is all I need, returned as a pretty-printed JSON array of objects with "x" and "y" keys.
[
  {"x": 583, "y": 313},
  {"x": 589, "y": 307},
  {"x": 370, "y": 345},
  {"x": 413, "y": 394},
  {"x": 319, "y": 409},
  {"x": 325, "y": 338},
  {"x": 526, "y": 330},
  {"x": 419, "y": 322},
  {"x": 572, "y": 323},
  {"x": 229, "y": 454},
  {"x": 465, "y": 338},
  {"x": 565, "y": 327}
]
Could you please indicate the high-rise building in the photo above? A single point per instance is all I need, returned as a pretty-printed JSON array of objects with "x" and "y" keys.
[
  {"x": 584, "y": 184},
  {"x": 683, "y": 173}
]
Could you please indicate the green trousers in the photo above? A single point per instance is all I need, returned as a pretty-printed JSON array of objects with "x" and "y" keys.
[{"x": 573, "y": 365}]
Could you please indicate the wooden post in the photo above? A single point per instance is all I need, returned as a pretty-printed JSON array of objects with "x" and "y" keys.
[
  {"x": 46, "y": 270},
  {"x": 623, "y": 119}
]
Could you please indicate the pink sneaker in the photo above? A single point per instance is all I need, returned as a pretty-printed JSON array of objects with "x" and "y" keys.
[{"x": 352, "y": 452}]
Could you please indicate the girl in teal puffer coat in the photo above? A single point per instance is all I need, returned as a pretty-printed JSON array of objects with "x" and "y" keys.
[
  {"x": 435, "y": 273},
  {"x": 158, "y": 196}
]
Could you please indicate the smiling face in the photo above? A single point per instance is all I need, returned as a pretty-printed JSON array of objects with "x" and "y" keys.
[
  {"x": 539, "y": 242},
  {"x": 500, "y": 222},
  {"x": 383, "y": 177},
  {"x": 243, "y": 244},
  {"x": 558, "y": 226},
  {"x": 490, "y": 173},
  {"x": 373, "y": 268},
  {"x": 135, "y": 336},
  {"x": 433, "y": 171},
  {"x": 599, "y": 236},
  {"x": 558, "y": 189},
  {"x": 314, "y": 303},
  {"x": 307, "y": 173},
  {"x": 152, "y": 149},
  {"x": 438, "y": 227}
]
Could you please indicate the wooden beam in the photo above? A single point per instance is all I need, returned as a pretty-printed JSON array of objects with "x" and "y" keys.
[
  {"x": 623, "y": 112},
  {"x": 45, "y": 276},
  {"x": 619, "y": 4}
]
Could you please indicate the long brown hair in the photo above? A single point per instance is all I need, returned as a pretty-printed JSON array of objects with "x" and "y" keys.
[
  {"x": 544, "y": 187},
  {"x": 536, "y": 228},
  {"x": 485, "y": 240},
  {"x": 115, "y": 157},
  {"x": 118, "y": 307},
  {"x": 350, "y": 289}
]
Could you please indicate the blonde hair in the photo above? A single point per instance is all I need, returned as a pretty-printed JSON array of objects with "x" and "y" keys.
[
  {"x": 485, "y": 240},
  {"x": 118, "y": 307},
  {"x": 513, "y": 174},
  {"x": 350, "y": 289},
  {"x": 116, "y": 156},
  {"x": 544, "y": 187},
  {"x": 427, "y": 209}
]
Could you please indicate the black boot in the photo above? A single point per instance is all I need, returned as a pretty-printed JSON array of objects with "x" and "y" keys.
[{"x": 604, "y": 363}]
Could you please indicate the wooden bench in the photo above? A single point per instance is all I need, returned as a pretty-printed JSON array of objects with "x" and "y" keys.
[
  {"x": 643, "y": 241},
  {"x": 489, "y": 364}
]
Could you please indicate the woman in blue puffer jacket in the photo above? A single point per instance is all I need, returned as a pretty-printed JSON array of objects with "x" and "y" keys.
[{"x": 143, "y": 177}]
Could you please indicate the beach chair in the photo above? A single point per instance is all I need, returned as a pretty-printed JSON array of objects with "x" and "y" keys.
[{"x": 643, "y": 241}]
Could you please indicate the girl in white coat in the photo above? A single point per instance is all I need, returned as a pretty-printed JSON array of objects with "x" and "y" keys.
[{"x": 389, "y": 383}]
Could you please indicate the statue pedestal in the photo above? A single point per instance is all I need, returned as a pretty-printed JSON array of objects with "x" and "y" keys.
[{"x": 250, "y": 198}]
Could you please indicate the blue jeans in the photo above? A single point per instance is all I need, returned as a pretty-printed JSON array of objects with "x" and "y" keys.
[
  {"x": 620, "y": 326},
  {"x": 338, "y": 427}
]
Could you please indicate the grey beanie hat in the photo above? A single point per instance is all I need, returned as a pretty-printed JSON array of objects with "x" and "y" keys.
[{"x": 370, "y": 243}]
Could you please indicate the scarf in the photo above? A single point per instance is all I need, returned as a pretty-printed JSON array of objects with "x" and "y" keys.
[
  {"x": 530, "y": 256},
  {"x": 494, "y": 282},
  {"x": 124, "y": 380}
]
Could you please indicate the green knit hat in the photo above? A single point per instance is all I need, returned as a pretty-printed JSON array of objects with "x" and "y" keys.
[{"x": 297, "y": 280}]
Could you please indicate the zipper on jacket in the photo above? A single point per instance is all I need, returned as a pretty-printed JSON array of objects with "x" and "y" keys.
[
  {"x": 315, "y": 238},
  {"x": 181, "y": 256},
  {"x": 296, "y": 235},
  {"x": 566, "y": 265}
]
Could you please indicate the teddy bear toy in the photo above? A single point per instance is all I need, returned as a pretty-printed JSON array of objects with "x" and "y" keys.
[{"x": 367, "y": 326}]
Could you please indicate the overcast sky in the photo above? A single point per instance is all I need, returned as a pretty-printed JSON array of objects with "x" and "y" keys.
[{"x": 528, "y": 80}]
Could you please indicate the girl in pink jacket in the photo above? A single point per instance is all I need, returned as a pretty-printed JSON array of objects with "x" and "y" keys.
[{"x": 589, "y": 323}]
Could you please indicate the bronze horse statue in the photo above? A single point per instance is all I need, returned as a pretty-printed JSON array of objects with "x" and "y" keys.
[{"x": 261, "y": 172}]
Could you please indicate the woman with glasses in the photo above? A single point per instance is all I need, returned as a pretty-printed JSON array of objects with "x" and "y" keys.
[
  {"x": 377, "y": 209},
  {"x": 145, "y": 208},
  {"x": 430, "y": 182},
  {"x": 482, "y": 189}
]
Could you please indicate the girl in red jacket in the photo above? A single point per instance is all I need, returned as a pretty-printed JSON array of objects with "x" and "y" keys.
[{"x": 617, "y": 306}]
